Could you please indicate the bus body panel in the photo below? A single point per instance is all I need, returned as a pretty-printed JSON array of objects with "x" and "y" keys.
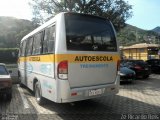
[
  {"x": 81, "y": 79},
  {"x": 41, "y": 68},
  {"x": 84, "y": 74}
]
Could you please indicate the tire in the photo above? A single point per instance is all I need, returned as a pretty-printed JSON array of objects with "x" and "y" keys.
[{"x": 38, "y": 94}]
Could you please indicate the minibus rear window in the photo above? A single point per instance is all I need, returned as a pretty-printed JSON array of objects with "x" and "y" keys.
[{"x": 89, "y": 33}]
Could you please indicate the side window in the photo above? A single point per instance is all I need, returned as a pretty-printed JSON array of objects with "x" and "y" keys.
[
  {"x": 29, "y": 46},
  {"x": 23, "y": 48},
  {"x": 45, "y": 41},
  {"x": 49, "y": 40},
  {"x": 37, "y": 44}
]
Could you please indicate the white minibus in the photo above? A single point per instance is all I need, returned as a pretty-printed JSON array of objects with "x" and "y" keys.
[{"x": 71, "y": 57}]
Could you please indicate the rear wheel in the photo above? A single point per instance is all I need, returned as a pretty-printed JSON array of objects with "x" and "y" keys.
[{"x": 38, "y": 94}]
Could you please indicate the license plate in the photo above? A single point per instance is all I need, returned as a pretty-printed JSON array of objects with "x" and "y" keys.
[
  {"x": 146, "y": 68},
  {"x": 96, "y": 92}
]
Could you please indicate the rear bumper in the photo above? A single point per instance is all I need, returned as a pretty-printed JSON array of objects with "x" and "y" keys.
[{"x": 83, "y": 93}]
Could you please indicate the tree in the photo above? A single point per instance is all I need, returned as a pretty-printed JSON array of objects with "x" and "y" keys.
[{"x": 117, "y": 11}]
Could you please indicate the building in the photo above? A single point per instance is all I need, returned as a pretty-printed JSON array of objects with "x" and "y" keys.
[{"x": 142, "y": 51}]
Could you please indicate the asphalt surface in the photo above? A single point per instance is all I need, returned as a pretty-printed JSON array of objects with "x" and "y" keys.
[{"x": 139, "y": 100}]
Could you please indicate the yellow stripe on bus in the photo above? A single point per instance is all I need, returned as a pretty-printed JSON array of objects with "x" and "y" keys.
[
  {"x": 87, "y": 58},
  {"x": 38, "y": 58},
  {"x": 72, "y": 58}
]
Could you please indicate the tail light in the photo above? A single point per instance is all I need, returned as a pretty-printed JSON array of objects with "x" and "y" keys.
[
  {"x": 62, "y": 70},
  {"x": 138, "y": 67}
]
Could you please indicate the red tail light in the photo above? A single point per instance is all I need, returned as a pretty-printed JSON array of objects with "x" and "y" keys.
[
  {"x": 62, "y": 70},
  {"x": 138, "y": 67}
]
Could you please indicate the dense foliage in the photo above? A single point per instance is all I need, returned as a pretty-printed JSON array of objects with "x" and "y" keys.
[
  {"x": 117, "y": 11},
  {"x": 8, "y": 55}
]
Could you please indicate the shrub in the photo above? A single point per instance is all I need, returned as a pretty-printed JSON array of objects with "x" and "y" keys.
[{"x": 8, "y": 55}]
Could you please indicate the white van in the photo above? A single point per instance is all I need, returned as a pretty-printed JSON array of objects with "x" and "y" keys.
[{"x": 71, "y": 57}]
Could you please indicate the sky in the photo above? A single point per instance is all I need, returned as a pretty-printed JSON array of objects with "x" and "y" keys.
[
  {"x": 146, "y": 13},
  {"x": 16, "y": 8}
]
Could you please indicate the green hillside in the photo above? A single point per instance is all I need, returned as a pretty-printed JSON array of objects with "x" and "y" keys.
[
  {"x": 131, "y": 35},
  {"x": 157, "y": 30},
  {"x": 12, "y": 30}
]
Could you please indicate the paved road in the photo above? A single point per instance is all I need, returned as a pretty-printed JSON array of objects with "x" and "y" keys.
[{"x": 138, "y": 99}]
